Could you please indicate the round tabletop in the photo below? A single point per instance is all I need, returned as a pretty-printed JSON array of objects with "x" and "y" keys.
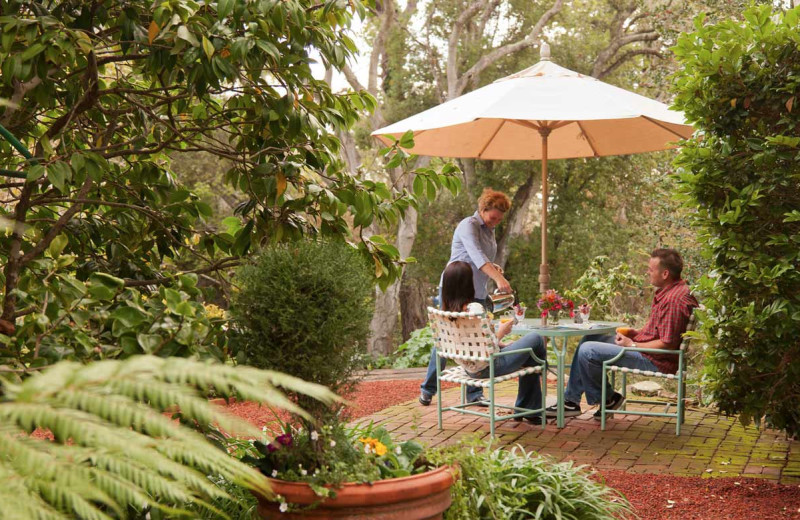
[{"x": 566, "y": 329}]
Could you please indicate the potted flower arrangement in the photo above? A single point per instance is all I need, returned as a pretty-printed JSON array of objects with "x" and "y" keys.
[
  {"x": 552, "y": 304},
  {"x": 339, "y": 472},
  {"x": 314, "y": 326}
]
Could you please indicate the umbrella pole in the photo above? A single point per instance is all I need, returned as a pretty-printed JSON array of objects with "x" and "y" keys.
[{"x": 544, "y": 268}]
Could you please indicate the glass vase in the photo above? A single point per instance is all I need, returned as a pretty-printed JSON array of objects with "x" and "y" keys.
[{"x": 553, "y": 318}]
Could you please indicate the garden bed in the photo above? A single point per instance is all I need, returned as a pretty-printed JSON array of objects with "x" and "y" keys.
[{"x": 655, "y": 497}]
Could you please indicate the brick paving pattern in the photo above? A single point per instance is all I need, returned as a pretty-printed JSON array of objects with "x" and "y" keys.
[{"x": 710, "y": 445}]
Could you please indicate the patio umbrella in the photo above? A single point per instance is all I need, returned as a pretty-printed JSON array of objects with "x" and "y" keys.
[{"x": 543, "y": 112}]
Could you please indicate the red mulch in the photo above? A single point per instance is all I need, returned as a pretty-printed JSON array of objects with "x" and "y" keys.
[
  {"x": 691, "y": 497},
  {"x": 666, "y": 497}
]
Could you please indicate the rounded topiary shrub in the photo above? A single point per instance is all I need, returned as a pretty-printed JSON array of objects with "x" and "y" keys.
[{"x": 304, "y": 309}]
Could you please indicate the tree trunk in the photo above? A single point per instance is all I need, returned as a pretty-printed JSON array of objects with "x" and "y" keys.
[
  {"x": 384, "y": 321},
  {"x": 413, "y": 301},
  {"x": 520, "y": 207}
]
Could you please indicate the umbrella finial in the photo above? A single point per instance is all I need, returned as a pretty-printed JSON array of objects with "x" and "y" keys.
[{"x": 544, "y": 51}]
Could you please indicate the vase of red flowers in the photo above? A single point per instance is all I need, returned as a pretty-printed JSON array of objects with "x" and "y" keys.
[{"x": 552, "y": 305}]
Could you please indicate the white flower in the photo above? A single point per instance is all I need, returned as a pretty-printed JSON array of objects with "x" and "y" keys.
[
  {"x": 264, "y": 428},
  {"x": 284, "y": 507},
  {"x": 398, "y": 450},
  {"x": 303, "y": 472},
  {"x": 333, "y": 444},
  {"x": 366, "y": 449},
  {"x": 274, "y": 473},
  {"x": 314, "y": 435}
]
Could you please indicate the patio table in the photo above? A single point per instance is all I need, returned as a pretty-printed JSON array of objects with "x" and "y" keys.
[{"x": 552, "y": 333}]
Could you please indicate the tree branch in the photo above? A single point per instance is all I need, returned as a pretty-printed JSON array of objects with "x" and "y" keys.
[
  {"x": 626, "y": 56},
  {"x": 490, "y": 58},
  {"x": 58, "y": 226},
  {"x": 224, "y": 263}
]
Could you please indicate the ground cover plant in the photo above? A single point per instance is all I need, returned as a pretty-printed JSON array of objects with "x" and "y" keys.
[
  {"x": 512, "y": 483},
  {"x": 115, "y": 453}
]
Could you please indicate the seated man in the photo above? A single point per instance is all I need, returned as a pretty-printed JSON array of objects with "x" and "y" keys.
[{"x": 669, "y": 317}]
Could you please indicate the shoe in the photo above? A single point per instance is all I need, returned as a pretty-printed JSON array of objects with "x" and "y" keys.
[
  {"x": 480, "y": 401},
  {"x": 570, "y": 410},
  {"x": 533, "y": 419},
  {"x": 425, "y": 399},
  {"x": 612, "y": 404}
]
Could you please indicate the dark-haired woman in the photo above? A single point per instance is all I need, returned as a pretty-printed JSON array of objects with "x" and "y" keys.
[{"x": 457, "y": 291}]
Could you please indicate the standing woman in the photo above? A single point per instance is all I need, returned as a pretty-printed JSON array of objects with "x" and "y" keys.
[{"x": 474, "y": 243}]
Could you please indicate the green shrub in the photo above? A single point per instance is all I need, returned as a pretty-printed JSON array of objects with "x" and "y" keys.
[
  {"x": 613, "y": 292},
  {"x": 513, "y": 484},
  {"x": 737, "y": 84},
  {"x": 416, "y": 352},
  {"x": 304, "y": 309}
]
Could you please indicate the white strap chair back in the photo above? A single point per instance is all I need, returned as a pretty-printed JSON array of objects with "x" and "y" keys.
[{"x": 462, "y": 335}]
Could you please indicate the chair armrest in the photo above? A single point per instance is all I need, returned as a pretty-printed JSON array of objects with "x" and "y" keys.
[
  {"x": 621, "y": 353},
  {"x": 653, "y": 350},
  {"x": 511, "y": 352}
]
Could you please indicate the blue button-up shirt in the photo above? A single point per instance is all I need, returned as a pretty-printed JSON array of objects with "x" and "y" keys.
[{"x": 474, "y": 243}]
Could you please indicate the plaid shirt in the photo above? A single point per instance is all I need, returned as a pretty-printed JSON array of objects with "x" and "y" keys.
[{"x": 669, "y": 317}]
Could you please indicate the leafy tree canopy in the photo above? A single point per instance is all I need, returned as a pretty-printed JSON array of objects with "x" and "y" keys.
[{"x": 101, "y": 94}]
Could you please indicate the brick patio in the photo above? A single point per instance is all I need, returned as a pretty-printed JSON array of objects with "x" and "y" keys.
[{"x": 709, "y": 445}]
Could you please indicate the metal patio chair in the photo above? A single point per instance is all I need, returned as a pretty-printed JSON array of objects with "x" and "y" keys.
[{"x": 469, "y": 337}]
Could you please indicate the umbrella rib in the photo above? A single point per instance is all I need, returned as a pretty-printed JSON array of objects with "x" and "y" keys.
[
  {"x": 588, "y": 139},
  {"x": 491, "y": 138},
  {"x": 662, "y": 125}
]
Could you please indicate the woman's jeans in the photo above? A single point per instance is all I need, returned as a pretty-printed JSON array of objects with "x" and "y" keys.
[
  {"x": 529, "y": 394},
  {"x": 586, "y": 373}
]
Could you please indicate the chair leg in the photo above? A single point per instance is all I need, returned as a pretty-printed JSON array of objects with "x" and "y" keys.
[
  {"x": 438, "y": 389},
  {"x": 603, "y": 398},
  {"x": 681, "y": 391},
  {"x": 624, "y": 390},
  {"x": 544, "y": 397},
  {"x": 463, "y": 393},
  {"x": 491, "y": 407}
]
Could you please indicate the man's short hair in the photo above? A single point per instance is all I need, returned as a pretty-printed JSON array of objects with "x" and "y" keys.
[
  {"x": 670, "y": 260},
  {"x": 491, "y": 199}
]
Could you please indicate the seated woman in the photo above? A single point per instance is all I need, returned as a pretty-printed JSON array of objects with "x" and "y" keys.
[{"x": 458, "y": 296}]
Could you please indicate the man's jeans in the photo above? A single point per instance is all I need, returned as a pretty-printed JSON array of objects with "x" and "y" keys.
[
  {"x": 586, "y": 373},
  {"x": 529, "y": 393}
]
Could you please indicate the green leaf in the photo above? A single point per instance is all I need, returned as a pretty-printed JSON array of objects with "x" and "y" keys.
[
  {"x": 35, "y": 172},
  {"x": 57, "y": 245},
  {"x": 208, "y": 48},
  {"x": 32, "y": 51},
  {"x": 59, "y": 173},
  {"x": 224, "y": 8},
  {"x": 129, "y": 316},
  {"x": 184, "y": 34}
]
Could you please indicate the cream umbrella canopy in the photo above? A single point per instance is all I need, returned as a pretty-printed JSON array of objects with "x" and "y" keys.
[{"x": 543, "y": 112}]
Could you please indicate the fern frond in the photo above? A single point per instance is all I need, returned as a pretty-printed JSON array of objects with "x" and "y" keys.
[{"x": 115, "y": 449}]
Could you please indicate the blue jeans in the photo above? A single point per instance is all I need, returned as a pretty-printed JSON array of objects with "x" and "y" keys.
[
  {"x": 529, "y": 392},
  {"x": 428, "y": 386},
  {"x": 586, "y": 373}
]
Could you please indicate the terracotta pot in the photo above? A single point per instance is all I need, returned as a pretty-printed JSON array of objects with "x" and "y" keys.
[{"x": 418, "y": 497}]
